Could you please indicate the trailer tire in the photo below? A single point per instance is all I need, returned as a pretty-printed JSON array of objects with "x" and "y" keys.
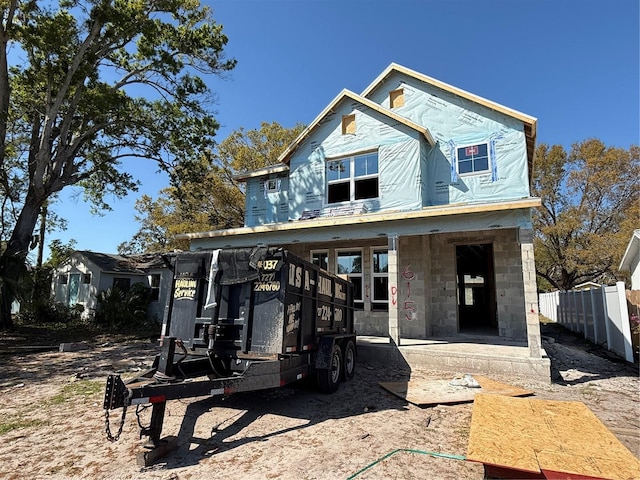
[
  {"x": 349, "y": 361},
  {"x": 329, "y": 379}
]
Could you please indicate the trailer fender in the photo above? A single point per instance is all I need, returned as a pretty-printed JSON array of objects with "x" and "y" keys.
[{"x": 323, "y": 354}]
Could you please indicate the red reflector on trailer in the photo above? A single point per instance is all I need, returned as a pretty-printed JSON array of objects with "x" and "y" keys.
[{"x": 157, "y": 399}]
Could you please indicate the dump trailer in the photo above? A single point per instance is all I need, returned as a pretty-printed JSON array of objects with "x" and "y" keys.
[{"x": 241, "y": 320}]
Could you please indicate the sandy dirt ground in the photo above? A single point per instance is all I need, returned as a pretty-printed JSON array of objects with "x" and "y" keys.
[{"x": 52, "y": 424}]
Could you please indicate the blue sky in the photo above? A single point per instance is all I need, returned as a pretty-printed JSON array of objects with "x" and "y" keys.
[{"x": 572, "y": 64}]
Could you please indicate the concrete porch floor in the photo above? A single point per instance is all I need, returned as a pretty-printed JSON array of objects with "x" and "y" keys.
[{"x": 461, "y": 354}]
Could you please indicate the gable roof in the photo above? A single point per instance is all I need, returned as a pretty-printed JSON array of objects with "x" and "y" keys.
[
  {"x": 111, "y": 263},
  {"x": 285, "y": 157},
  {"x": 530, "y": 123},
  {"x": 631, "y": 252},
  {"x": 125, "y": 264}
]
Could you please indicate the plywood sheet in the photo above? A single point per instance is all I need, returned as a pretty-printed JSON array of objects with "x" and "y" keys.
[
  {"x": 546, "y": 437},
  {"x": 425, "y": 392}
]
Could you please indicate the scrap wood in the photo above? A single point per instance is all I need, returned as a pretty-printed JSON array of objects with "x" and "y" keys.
[
  {"x": 552, "y": 438},
  {"x": 425, "y": 392}
]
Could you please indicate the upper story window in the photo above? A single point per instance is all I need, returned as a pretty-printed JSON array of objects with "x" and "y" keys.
[
  {"x": 473, "y": 159},
  {"x": 86, "y": 278},
  {"x": 352, "y": 178}
]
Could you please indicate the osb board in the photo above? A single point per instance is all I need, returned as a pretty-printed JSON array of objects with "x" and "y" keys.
[
  {"x": 433, "y": 392},
  {"x": 534, "y": 435}
]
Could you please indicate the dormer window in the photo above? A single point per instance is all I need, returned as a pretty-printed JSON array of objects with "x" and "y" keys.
[
  {"x": 473, "y": 159},
  {"x": 349, "y": 124},
  {"x": 396, "y": 98},
  {"x": 352, "y": 178}
]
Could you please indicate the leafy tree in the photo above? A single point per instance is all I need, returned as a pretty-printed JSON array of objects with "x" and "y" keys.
[
  {"x": 59, "y": 252},
  {"x": 590, "y": 206},
  {"x": 86, "y": 84},
  {"x": 209, "y": 198}
]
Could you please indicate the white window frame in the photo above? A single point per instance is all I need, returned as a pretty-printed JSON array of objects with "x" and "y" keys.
[
  {"x": 151, "y": 278},
  {"x": 326, "y": 252},
  {"x": 352, "y": 275},
  {"x": 352, "y": 178},
  {"x": 375, "y": 275},
  {"x": 479, "y": 172},
  {"x": 272, "y": 185}
]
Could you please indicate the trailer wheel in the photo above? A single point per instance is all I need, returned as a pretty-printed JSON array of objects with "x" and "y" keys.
[
  {"x": 349, "y": 360},
  {"x": 329, "y": 379}
]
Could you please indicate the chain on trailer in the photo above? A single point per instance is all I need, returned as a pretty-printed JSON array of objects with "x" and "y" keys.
[
  {"x": 116, "y": 395},
  {"x": 107, "y": 426}
]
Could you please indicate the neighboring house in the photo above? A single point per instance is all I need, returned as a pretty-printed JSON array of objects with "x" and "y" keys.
[
  {"x": 419, "y": 192},
  {"x": 79, "y": 279},
  {"x": 631, "y": 260}
]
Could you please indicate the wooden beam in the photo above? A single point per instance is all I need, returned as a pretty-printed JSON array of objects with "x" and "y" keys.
[{"x": 427, "y": 212}]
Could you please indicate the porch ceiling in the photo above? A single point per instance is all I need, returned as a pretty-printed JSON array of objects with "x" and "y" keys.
[{"x": 450, "y": 218}]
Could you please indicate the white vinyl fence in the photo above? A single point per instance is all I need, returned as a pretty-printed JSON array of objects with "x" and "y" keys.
[{"x": 600, "y": 314}]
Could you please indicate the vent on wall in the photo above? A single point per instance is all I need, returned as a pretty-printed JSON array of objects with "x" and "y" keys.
[
  {"x": 396, "y": 98},
  {"x": 349, "y": 124}
]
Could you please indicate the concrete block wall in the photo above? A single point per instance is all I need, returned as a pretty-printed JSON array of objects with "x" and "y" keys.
[
  {"x": 427, "y": 288},
  {"x": 509, "y": 285},
  {"x": 512, "y": 321},
  {"x": 412, "y": 287},
  {"x": 443, "y": 321}
]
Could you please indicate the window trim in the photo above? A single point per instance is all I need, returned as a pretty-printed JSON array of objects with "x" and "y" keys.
[
  {"x": 322, "y": 250},
  {"x": 479, "y": 172},
  {"x": 272, "y": 185},
  {"x": 375, "y": 275},
  {"x": 154, "y": 291},
  {"x": 352, "y": 178},
  {"x": 357, "y": 275}
]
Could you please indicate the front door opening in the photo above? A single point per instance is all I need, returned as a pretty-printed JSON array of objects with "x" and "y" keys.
[{"x": 476, "y": 289}]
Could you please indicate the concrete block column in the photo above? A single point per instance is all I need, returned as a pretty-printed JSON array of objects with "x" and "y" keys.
[
  {"x": 534, "y": 339},
  {"x": 393, "y": 274}
]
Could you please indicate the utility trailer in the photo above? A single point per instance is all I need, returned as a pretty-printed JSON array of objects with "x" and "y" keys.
[{"x": 241, "y": 320}]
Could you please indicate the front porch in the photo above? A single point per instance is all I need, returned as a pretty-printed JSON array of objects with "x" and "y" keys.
[{"x": 485, "y": 355}]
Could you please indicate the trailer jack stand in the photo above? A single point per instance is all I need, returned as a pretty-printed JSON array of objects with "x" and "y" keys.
[
  {"x": 156, "y": 447},
  {"x": 147, "y": 457}
]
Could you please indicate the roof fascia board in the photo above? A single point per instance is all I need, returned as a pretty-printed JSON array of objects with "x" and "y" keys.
[
  {"x": 529, "y": 120},
  {"x": 261, "y": 172},
  {"x": 369, "y": 218},
  {"x": 632, "y": 248},
  {"x": 285, "y": 156}
]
